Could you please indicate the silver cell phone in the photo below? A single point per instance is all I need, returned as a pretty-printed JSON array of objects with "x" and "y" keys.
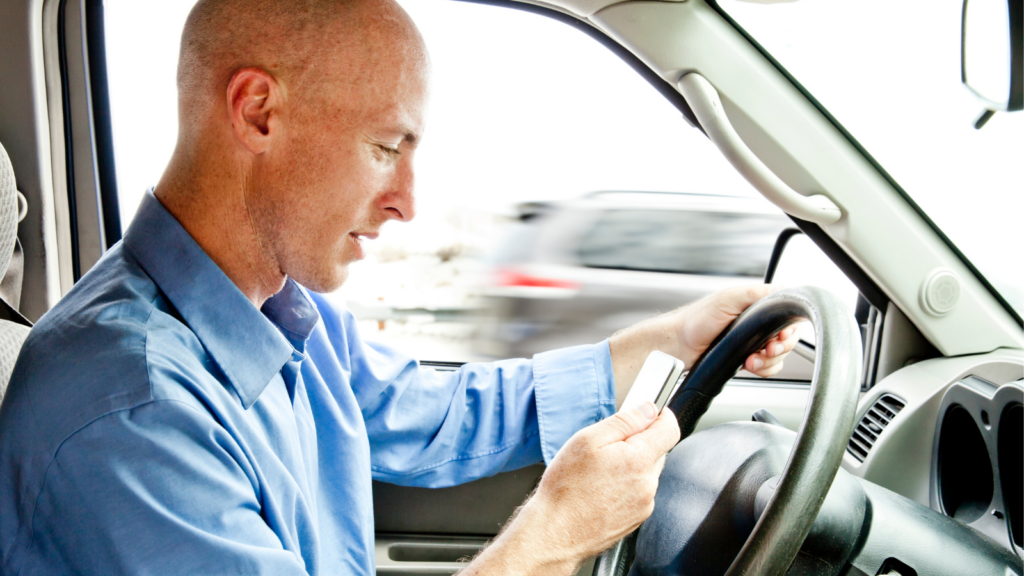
[{"x": 660, "y": 375}]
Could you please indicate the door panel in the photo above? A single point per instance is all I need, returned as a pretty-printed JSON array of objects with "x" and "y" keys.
[
  {"x": 404, "y": 555},
  {"x": 476, "y": 508}
]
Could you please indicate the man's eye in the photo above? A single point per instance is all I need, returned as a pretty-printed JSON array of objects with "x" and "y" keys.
[{"x": 389, "y": 150}]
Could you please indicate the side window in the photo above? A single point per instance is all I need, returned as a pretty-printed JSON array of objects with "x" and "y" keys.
[
  {"x": 527, "y": 119},
  {"x": 683, "y": 242}
]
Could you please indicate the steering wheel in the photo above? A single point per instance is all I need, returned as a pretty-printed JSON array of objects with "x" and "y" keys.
[{"x": 786, "y": 520}]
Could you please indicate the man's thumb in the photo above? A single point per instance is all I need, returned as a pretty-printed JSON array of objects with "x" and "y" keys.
[{"x": 624, "y": 424}]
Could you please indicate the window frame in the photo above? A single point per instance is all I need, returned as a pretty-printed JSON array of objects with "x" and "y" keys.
[{"x": 86, "y": 215}]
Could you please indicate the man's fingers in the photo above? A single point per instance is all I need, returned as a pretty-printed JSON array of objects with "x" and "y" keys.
[
  {"x": 783, "y": 343},
  {"x": 770, "y": 371},
  {"x": 622, "y": 425},
  {"x": 768, "y": 367},
  {"x": 773, "y": 353},
  {"x": 661, "y": 436}
]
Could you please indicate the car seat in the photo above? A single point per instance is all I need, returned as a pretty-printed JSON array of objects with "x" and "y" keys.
[{"x": 12, "y": 334}]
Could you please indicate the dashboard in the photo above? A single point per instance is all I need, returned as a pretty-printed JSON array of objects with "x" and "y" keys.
[
  {"x": 978, "y": 458},
  {"x": 949, "y": 434}
]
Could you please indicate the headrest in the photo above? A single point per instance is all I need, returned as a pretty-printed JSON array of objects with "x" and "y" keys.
[{"x": 8, "y": 211}]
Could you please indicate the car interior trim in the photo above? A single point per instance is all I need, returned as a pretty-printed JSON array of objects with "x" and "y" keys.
[
  {"x": 84, "y": 191},
  {"x": 780, "y": 246},
  {"x": 25, "y": 133},
  {"x": 102, "y": 126},
  {"x": 873, "y": 322},
  {"x": 61, "y": 255},
  {"x": 968, "y": 466},
  {"x": 874, "y": 163},
  {"x": 403, "y": 554},
  {"x": 769, "y": 383},
  {"x": 901, "y": 457},
  {"x": 704, "y": 101},
  {"x": 69, "y": 150},
  {"x": 789, "y": 134},
  {"x": 872, "y": 423}
]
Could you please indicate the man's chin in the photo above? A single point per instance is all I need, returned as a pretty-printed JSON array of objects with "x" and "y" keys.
[{"x": 326, "y": 281}]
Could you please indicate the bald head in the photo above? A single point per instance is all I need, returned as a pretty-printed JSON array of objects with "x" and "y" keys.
[
  {"x": 314, "y": 48},
  {"x": 298, "y": 121}
]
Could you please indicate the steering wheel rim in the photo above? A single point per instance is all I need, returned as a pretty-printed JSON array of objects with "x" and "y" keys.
[{"x": 821, "y": 440}]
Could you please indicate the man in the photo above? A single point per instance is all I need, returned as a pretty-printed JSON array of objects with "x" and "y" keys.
[{"x": 194, "y": 406}]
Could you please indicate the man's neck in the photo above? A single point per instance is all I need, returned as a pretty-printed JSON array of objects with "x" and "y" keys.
[{"x": 212, "y": 209}]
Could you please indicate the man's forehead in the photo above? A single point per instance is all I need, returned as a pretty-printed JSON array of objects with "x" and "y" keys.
[
  {"x": 374, "y": 78},
  {"x": 383, "y": 102},
  {"x": 397, "y": 124},
  {"x": 391, "y": 122}
]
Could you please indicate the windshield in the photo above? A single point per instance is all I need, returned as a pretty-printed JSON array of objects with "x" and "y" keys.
[{"x": 889, "y": 72}]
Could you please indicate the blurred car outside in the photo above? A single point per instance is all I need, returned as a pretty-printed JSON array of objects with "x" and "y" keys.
[{"x": 574, "y": 272}]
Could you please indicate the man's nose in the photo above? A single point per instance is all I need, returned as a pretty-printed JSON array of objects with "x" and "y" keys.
[{"x": 398, "y": 202}]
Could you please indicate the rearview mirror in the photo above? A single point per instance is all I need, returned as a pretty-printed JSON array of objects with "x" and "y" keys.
[{"x": 992, "y": 54}]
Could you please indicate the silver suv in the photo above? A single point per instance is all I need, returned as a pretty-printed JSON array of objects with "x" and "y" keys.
[{"x": 576, "y": 271}]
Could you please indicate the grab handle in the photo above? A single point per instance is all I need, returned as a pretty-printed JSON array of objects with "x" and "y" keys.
[{"x": 706, "y": 105}]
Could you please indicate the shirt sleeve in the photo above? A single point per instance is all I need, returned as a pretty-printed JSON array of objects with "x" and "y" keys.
[
  {"x": 436, "y": 428},
  {"x": 112, "y": 497}
]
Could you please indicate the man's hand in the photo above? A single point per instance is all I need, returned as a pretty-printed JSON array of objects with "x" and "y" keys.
[
  {"x": 599, "y": 488},
  {"x": 699, "y": 324},
  {"x": 688, "y": 331}
]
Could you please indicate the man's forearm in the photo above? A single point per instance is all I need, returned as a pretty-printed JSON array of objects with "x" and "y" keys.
[{"x": 523, "y": 549}]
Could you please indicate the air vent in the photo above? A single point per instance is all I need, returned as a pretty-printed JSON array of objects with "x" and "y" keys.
[{"x": 871, "y": 425}]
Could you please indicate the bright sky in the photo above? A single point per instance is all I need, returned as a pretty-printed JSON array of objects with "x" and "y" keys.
[{"x": 526, "y": 108}]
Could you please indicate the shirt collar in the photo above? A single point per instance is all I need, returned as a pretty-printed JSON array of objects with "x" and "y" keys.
[{"x": 250, "y": 346}]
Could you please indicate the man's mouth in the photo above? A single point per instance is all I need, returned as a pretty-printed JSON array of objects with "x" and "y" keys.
[
  {"x": 357, "y": 239},
  {"x": 360, "y": 236}
]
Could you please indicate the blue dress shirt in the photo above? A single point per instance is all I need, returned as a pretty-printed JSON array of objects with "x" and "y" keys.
[{"x": 158, "y": 423}]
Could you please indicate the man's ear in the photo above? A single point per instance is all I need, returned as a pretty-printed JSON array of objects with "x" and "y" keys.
[{"x": 254, "y": 101}]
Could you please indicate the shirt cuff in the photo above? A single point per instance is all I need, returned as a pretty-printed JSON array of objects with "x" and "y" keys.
[{"x": 574, "y": 388}]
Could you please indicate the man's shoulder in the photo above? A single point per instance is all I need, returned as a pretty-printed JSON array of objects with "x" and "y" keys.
[{"x": 92, "y": 353}]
